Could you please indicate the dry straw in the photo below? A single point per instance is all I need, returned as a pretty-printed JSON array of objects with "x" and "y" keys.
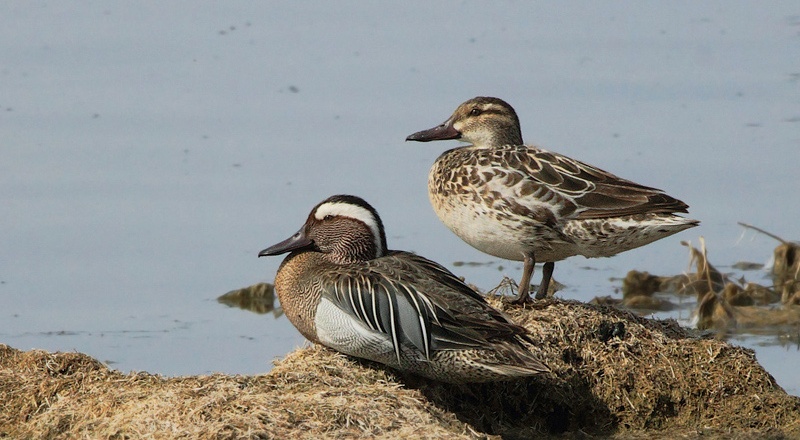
[{"x": 616, "y": 374}]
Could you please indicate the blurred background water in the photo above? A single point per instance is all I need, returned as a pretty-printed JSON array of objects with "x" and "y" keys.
[{"x": 150, "y": 150}]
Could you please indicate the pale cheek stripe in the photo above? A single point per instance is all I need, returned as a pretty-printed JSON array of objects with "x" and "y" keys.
[{"x": 355, "y": 212}]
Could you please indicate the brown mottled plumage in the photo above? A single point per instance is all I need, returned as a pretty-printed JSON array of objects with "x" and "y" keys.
[
  {"x": 342, "y": 288},
  {"x": 527, "y": 204}
]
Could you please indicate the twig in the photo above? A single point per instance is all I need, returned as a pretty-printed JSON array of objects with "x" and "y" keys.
[{"x": 768, "y": 234}]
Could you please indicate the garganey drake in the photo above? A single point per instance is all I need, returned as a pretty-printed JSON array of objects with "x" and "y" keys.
[
  {"x": 342, "y": 288},
  {"x": 520, "y": 202}
]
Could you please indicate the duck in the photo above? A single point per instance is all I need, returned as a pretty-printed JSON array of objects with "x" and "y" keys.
[
  {"x": 523, "y": 203},
  {"x": 341, "y": 287}
]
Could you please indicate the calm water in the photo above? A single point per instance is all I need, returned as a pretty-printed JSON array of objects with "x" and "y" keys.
[{"x": 150, "y": 150}]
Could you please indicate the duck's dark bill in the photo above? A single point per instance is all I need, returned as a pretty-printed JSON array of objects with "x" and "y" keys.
[
  {"x": 296, "y": 241},
  {"x": 438, "y": 133}
]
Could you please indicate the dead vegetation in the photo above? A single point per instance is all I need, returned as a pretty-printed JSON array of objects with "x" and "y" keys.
[
  {"x": 729, "y": 305},
  {"x": 724, "y": 303},
  {"x": 616, "y": 374},
  {"x": 258, "y": 298}
]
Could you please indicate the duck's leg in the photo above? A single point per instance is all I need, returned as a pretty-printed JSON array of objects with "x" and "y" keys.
[
  {"x": 547, "y": 274},
  {"x": 528, "y": 263}
]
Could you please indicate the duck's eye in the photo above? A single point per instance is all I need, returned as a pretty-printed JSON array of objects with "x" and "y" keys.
[
  {"x": 328, "y": 217},
  {"x": 475, "y": 112}
]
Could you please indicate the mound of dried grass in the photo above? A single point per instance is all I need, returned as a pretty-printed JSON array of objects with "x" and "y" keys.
[
  {"x": 615, "y": 374},
  {"x": 313, "y": 392}
]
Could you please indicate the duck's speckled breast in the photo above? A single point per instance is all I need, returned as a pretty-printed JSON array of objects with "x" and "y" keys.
[
  {"x": 298, "y": 290},
  {"x": 476, "y": 198}
]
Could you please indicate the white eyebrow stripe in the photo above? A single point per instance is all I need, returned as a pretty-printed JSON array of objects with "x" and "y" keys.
[{"x": 355, "y": 212}]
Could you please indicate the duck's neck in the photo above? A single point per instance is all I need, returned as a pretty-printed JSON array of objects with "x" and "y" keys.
[{"x": 497, "y": 137}]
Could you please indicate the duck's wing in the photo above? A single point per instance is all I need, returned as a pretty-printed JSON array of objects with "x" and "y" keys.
[
  {"x": 551, "y": 186},
  {"x": 387, "y": 307},
  {"x": 458, "y": 307},
  {"x": 418, "y": 303}
]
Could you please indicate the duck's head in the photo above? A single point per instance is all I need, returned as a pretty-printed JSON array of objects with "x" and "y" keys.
[
  {"x": 346, "y": 228},
  {"x": 483, "y": 121}
]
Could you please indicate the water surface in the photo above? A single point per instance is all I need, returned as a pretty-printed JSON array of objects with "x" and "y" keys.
[{"x": 150, "y": 150}]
